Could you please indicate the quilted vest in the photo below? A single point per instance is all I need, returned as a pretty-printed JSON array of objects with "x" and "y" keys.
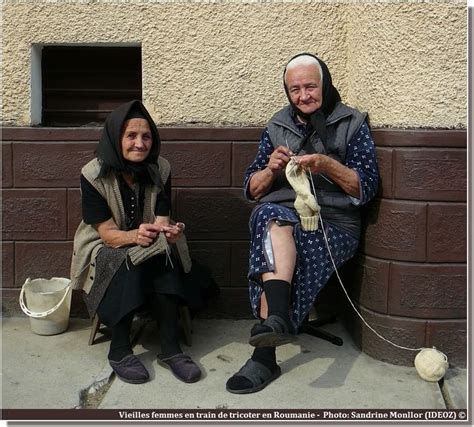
[{"x": 342, "y": 124}]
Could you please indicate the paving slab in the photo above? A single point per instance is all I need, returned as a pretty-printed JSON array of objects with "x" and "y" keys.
[
  {"x": 315, "y": 375},
  {"x": 47, "y": 372},
  {"x": 455, "y": 388}
]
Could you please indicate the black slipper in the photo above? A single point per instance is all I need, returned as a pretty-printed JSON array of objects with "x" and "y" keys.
[
  {"x": 276, "y": 332},
  {"x": 257, "y": 374}
]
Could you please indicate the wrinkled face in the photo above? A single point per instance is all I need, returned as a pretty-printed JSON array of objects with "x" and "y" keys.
[
  {"x": 305, "y": 87},
  {"x": 136, "y": 140}
]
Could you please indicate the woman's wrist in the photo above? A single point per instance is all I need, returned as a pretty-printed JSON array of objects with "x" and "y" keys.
[
  {"x": 324, "y": 163},
  {"x": 134, "y": 236}
]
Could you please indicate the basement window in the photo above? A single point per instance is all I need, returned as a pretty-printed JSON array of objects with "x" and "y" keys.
[{"x": 81, "y": 85}]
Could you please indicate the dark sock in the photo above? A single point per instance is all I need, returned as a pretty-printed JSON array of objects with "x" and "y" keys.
[
  {"x": 277, "y": 293},
  {"x": 266, "y": 356},
  {"x": 166, "y": 310},
  {"x": 120, "y": 344}
]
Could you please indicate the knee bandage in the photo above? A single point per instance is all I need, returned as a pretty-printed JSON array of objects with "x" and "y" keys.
[{"x": 305, "y": 204}]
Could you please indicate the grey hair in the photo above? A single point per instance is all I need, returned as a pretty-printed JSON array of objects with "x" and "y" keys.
[{"x": 304, "y": 60}]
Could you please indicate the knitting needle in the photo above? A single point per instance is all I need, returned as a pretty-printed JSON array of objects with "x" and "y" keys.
[
  {"x": 294, "y": 158},
  {"x": 167, "y": 248}
]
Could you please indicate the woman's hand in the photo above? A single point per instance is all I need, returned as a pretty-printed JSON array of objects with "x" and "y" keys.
[
  {"x": 279, "y": 159},
  {"x": 316, "y": 163},
  {"x": 173, "y": 232},
  {"x": 261, "y": 181},
  {"x": 146, "y": 234},
  {"x": 346, "y": 178}
]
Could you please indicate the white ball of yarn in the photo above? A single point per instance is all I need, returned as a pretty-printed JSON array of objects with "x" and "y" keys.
[{"x": 431, "y": 364}]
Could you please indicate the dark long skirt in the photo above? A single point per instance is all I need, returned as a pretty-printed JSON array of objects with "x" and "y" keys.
[{"x": 132, "y": 286}]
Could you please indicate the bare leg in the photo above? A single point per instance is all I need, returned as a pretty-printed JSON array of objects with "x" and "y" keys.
[
  {"x": 284, "y": 253},
  {"x": 263, "y": 359}
]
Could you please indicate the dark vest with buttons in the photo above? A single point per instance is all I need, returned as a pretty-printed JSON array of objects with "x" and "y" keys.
[{"x": 342, "y": 124}]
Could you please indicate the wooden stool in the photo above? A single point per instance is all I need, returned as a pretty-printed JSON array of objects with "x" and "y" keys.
[{"x": 184, "y": 315}]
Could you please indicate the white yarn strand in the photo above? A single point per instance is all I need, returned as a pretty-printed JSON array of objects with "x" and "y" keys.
[
  {"x": 344, "y": 289},
  {"x": 430, "y": 363}
]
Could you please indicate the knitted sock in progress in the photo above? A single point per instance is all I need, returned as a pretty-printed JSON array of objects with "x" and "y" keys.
[{"x": 305, "y": 203}]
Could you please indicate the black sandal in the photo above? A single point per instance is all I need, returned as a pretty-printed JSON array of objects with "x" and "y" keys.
[
  {"x": 257, "y": 373},
  {"x": 277, "y": 332}
]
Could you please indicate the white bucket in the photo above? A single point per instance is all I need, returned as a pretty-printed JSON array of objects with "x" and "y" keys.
[{"x": 49, "y": 304}]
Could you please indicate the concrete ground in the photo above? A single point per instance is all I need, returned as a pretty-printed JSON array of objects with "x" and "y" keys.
[{"x": 64, "y": 372}]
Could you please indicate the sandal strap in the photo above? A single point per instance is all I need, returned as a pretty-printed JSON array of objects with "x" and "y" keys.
[
  {"x": 278, "y": 325},
  {"x": 256, "y": 372}
]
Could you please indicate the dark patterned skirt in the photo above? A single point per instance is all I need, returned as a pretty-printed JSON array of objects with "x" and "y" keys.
[
  {"x": 120, "y": 287},
  {"x": 313, "y": 264}
]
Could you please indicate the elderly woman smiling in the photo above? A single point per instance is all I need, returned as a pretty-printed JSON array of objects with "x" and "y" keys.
[
  {"x": 121, "y": 248},
  {"x": 289, "y": 261}
]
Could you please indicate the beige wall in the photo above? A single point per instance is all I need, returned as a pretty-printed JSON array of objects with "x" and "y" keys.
[{"x": 220, "y": 62}]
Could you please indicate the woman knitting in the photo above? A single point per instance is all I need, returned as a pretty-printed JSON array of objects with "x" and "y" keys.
[
  {"x": 122, "y": 256},
  {"x": 289, "y": 262}
]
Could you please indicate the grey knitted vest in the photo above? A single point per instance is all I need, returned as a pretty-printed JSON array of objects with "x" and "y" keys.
[{"x": 342, "y": 124}]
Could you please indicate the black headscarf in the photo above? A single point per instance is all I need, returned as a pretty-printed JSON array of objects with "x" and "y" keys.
[
  {"x": 109, "y": 150},
  {"x": 317, "y": 120}
]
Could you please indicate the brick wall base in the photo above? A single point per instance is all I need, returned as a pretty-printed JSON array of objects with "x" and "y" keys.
[{"x": 409, "y": 279}]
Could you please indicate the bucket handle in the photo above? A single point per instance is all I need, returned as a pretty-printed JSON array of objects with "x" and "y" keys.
[{"x": 44, "y": 313}]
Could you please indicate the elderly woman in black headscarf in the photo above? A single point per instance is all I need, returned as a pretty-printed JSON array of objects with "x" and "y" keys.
[
  {"x": 289, "y": 260},
  {"x": 122, "y": 254}
]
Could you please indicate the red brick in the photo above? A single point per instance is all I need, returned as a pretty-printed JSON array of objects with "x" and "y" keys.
[
  {"x": 420, "y": 137},
  {"x": 41, "y": 260},
  {"x": 174, "y": 197},
  {"x": 430, "y": 174},
  {"x": 198, "y": 164},
  {"x": 78, "y": 306},
  {"x": 243, "y": 154},
  {"x": 395, "y": 230},
  {"x": 8, "y": 264},
  {"x": 227, "y": 133},
  {"x": 34, "y": 214},
  {"x": 428, "y": 290},
  {"x": 212, "y": 214},
  {"x": 49, "y": 164},
  {"x": 7, "y": 173},
  {"x": 450, "y": 337},
  {"x": 74, "y": 212},
  {"x": 384, "y": 160},
  {"x": 239, "y": 264},
  {"x": 10, "y": 304},
  {"x": 216, "y": 256},
  {"x": 404, "y": 332},
  {"x": 52, "y": 134},
  {"x": 370, "y": 283},
  {"x": 175, "y": 133},
  {"x": 447, "y": 232}
]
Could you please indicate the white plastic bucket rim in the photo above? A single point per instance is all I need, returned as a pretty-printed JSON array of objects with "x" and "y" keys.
[
  {"x": 40, "y": 315},
  {"x": 49, "y": 302}
]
